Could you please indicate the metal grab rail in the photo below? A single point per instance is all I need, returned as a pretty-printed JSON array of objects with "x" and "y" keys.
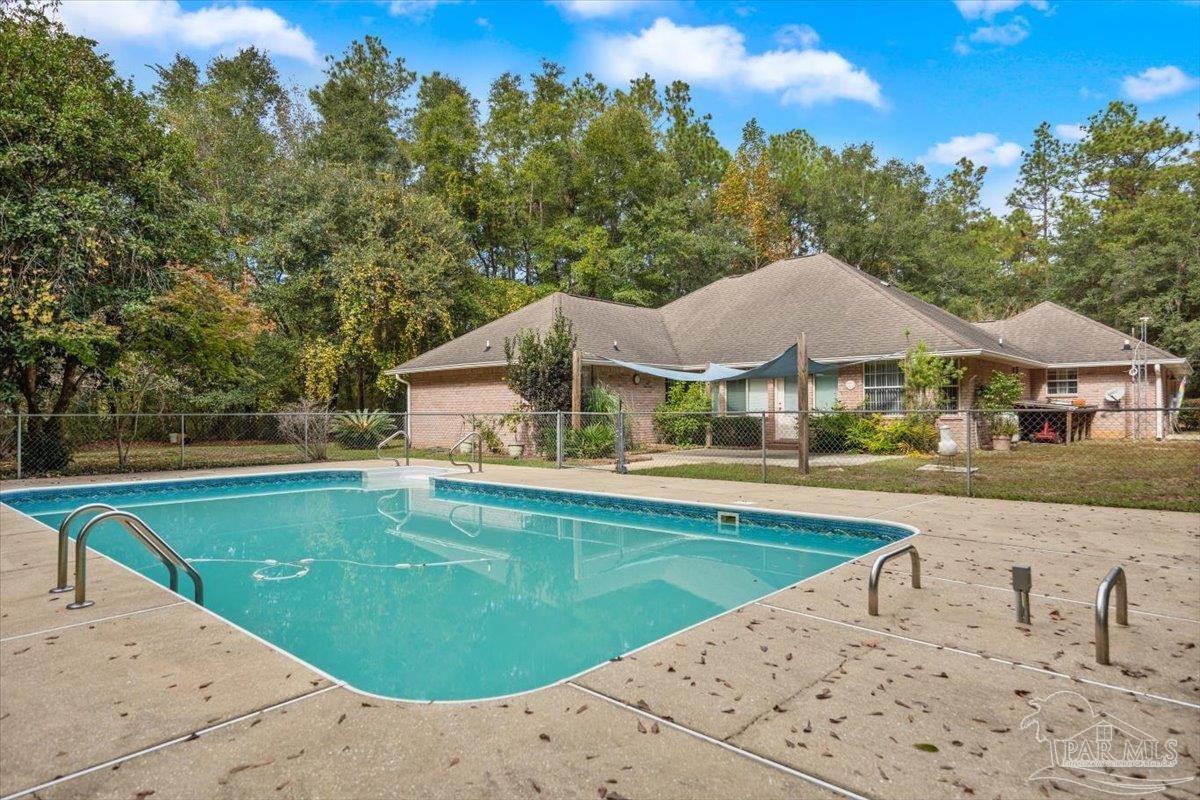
[
  {"x": 1114, "y": 578},
  {"x": 63, "y": 534},
  {"x": 151, "y": 540},
  {"x": 478, "y": 451},
  {"x": 390, "y": 437},
  {"x": 460, "y": 528},
  {"x": 877, "y": 570}
]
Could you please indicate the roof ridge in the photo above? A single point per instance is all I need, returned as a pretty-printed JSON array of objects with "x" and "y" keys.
[{"x": 882, "y": 287}]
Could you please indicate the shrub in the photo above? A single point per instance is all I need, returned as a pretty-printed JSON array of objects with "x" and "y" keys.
[
  {"x": 362, "y": 430},
  {"x": 600, "y": 399},
  {"x": 591, "y": 441},
  {"x": 487, "y": 434},
  {"x": 1189, "y": 414},
  {"x": 871, "y": 433},
  {"x": 681, "y": 419},
  {"x": 539, "y": 369},
  {"x": 307, "y": 425},
  {"x": 737, "y": 431},
  {"x": 829, "y": 433}
]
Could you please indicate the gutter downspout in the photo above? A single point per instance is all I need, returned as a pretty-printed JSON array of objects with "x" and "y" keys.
[
  {"x": 1158, "y": 401},
  {"x": 407, "y": 408}
]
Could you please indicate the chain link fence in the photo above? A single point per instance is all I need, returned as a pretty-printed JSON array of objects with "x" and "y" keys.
[{"x": 1145, "y": 457}]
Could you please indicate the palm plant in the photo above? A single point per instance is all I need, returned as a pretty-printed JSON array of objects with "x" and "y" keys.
[{"x": 361, "y": 430}]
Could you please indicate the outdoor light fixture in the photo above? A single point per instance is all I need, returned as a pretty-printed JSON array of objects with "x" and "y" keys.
[{"x": 637, "y": 379}]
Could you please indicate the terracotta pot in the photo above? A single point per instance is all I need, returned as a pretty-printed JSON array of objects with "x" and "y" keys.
[
  {"x": 516, "y": 450},
  {"x": 1002, "y": 443}
]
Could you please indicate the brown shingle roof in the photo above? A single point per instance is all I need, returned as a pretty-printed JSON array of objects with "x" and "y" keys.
[
  {"x": 747, "y": 319},
  {"x": 1057, "y": 335}
]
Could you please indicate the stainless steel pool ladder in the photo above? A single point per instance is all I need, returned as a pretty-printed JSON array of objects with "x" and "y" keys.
[
  {"x": 139, "y": 530},
  {"x": 877, "y": 569},
  {"x": 478, "y": 451},
  {"x": 379, "y": 447},
  {"x": 1114, "y": 579},
  {"x": 478, "y": 520}
]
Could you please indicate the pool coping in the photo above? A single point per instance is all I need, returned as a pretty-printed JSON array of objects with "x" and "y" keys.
[{"x": 913, "y": 532}]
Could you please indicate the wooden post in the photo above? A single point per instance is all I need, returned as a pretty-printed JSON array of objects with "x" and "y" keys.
[
  {"x": 1069, "y": 431},
  {"x": 802, "y": 402},
  {"x": 576, "y": 387}
]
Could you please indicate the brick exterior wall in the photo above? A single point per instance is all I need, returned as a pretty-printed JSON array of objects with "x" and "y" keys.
[{"x": 441, "y": 401}]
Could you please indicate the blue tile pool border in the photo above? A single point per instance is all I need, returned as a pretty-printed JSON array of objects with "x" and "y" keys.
[
  {"x": 450, "y": 488},
  {"x": 352, "y": 478}
]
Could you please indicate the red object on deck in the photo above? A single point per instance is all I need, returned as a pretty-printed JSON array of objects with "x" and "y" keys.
[{"x": 1046, "y": 434}]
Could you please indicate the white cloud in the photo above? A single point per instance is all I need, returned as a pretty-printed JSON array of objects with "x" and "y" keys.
[
  {"x": 417, "y": 10},
  {"x": 984, "y": 149},
  {"x": 213, "y": 26},
  {"x": 988, "y": 9},
  {"x": 1155, "y": 82},
  {"x": 1069, "y": 131},
  {"x": 715, "y": 55},
  {"x": 801, "y": 35},
  {"x": 1002, "y": 35},
  {"x": 596, "y": 9}
]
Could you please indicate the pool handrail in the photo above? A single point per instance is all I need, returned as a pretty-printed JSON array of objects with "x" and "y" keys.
[
  {"x": 460, "y": 528},
  {"x": 149, "y": 539},
  {"x": 1114, "y": 579},
  {"x": 390, "y": 437},
  {"x": 877, "y": 570},
  {"x": 64, "y": 531},
  {"x": 478, "y": 437}
]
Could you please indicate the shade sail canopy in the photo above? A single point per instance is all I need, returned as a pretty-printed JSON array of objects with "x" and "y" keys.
[
  {"x": 715, "y": 372},
  {"x": 781, "y": 366}
]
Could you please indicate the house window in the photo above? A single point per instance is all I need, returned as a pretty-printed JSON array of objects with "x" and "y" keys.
[
  {"x": 743, "y": 396},
  {"x": 948, "y": 398},
  {"x": 1062, "y": 381},
  {"x": 883, "y": 386}
]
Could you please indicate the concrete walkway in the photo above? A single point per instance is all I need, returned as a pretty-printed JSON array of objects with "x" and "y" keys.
[{"x": 798, "y": 695}]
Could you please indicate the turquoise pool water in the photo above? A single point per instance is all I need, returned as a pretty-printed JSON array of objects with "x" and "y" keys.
[{"x": 449, "y": 591}]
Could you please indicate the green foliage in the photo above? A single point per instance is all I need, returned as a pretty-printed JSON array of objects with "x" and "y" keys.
[
  {"x": 737, "y": 431},
  {"x": 539, "y": 369},
  {"x": 925, "y": 377},
  {"x": 1003, "y": 390},
  {"x": 872, "y": 433},
  {"x": 830, "y": 432},
  {"x": 592, "y": 441},
  {"x": 601, "y": 399},
  {"x": 681, "y": 419},
  {"x": 362, "y": 430},
  {"x": 486, "y": 428}
]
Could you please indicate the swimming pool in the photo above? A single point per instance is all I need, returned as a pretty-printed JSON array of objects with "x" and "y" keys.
[{"x": 430, "y": 588}]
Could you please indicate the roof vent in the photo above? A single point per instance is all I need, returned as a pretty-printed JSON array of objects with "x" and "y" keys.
[
  {"x": 487, "y": 345},
  {"x": 615, "y": 345},
  {"x": 1001, "y": 341},
  {"x": 885, "y": 283}
]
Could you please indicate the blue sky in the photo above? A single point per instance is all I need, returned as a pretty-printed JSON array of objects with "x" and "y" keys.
[{"x": 928, "y": 81}]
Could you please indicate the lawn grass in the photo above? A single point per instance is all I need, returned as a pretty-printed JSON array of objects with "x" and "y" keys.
[
  {"x": 1158, "y": 475},
  {"x": 101, "y": 458}
]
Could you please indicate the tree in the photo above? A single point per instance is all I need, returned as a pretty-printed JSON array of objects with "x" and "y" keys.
[
  {"x": 750, "y": 197},
  {"x": 926, "y": 377},
  {"x": 539, "y": 369},
  {"x": 362, "y": 122},
  {"x": 95, "y": 207}
]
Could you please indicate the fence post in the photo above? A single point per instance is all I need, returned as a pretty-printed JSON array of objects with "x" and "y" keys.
[
  {"x": 20, "y": 425},
  {"x": 182, "y": 432},
  {"x": 762, "y": 438},
  {"x": 307, "y": 457},
  {"x": 558, "y": 440},
  {"x": 620, "y": 438},
  {"x": 970, "y": 444}
]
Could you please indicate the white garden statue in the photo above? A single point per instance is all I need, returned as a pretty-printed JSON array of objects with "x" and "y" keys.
[{"x": 947, "y": 447}]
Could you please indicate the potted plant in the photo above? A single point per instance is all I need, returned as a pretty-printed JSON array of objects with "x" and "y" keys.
[
  {"x": 1002, "y": 391},
  {"x": 1004, "y": 427},
  {"x": 512, "y": 423}
]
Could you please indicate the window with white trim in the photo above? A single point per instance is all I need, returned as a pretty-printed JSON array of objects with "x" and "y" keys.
[
  {"x": 1062, "y": 381},
  {"x": 743, "y": 396},
  {"x": 883, "y": 386},
  {"x": 948, "y": 396}
]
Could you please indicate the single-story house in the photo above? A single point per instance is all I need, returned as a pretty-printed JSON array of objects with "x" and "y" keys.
[{"x": 848, "y": 317}]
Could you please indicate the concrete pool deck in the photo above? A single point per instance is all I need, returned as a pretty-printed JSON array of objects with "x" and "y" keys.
[{"x": 798, "y": 695}]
